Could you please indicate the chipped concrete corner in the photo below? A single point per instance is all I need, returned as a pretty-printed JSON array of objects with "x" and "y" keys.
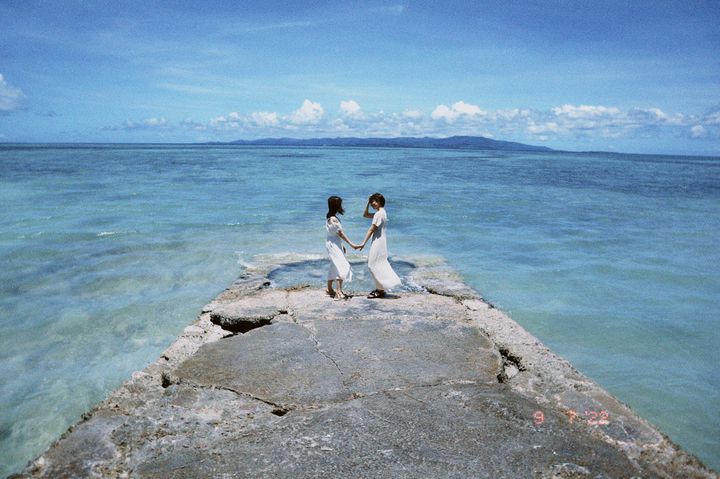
[{"x": 288, "y": 383}]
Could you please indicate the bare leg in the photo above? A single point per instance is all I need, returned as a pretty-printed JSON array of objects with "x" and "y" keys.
[{"x": 330, "y": 289}]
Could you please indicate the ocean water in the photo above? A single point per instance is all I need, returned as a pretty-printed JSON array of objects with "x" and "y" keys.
[{"x": 109, "y": 251}]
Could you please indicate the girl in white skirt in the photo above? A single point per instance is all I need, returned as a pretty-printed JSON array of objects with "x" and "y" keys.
[
  {"x": 382, "y": 272},
  {"x": 339, "y": 266}
]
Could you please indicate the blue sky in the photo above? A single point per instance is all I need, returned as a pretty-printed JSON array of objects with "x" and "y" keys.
[{"x": 632, "y": 76}]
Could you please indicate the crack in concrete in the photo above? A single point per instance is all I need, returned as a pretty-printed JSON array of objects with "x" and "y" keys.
[
  {"x": 317, "y": 347},
  {"x": 282, "y": 409},
  {"x": 279, "y": 410}
]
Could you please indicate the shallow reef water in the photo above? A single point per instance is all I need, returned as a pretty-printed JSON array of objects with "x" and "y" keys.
[{"x": 109, "y": 251}]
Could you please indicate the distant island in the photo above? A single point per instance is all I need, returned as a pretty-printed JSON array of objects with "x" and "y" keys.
[{"x": 453, "y": 142}]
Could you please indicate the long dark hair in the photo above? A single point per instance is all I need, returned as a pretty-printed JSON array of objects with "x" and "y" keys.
[{"x": 334, "y": 206}]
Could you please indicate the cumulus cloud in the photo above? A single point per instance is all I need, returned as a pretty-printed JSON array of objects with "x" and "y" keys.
[
  {"x": 265, "y": 118},
  {"x": 461, "y": 118},
  {"x": 458, "y": 110},
  {"x": 613, "y": 122},
  {"x": 350, "y": 108},
  {"x": 11, "y": 98},
  {"x": 233, "y": 121},
  {"x": 308, "y": 114},
  {"x": 655, "y": 116}
]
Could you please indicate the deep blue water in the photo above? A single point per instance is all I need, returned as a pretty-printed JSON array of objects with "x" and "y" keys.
[{"x": 108, "y": 252}]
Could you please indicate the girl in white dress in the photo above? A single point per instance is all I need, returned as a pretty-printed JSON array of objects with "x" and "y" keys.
[
  {"x": 382, "y": 272},
  {"x": 339, "y": 266}
]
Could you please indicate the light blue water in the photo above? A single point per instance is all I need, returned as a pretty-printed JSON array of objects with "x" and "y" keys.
[{"x": 108, "y": 252}]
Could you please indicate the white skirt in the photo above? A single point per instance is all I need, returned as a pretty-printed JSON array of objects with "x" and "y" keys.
[
  {"x": 339, "y": 265},
  {"x": 379, "y": 266}
]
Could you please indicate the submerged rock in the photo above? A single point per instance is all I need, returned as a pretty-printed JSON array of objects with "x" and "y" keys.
[{"x": 415, "y": 385}]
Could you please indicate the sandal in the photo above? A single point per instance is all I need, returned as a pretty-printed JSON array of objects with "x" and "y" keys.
[
  {"x": 330, "y": 292},
  {"x": 341, "y": 295},
  {"x": 376, "y": 294}
]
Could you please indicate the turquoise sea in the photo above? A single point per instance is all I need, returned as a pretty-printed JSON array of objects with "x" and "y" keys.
[{"x": 109, "y": 251}]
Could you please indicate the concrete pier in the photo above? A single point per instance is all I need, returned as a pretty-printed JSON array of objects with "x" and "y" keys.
[{"x": 274, "y": 383}]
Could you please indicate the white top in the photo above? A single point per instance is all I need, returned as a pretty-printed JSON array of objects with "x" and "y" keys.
[
  {"x": 333, "y": 227},
  {"x": 379, "y": 220}
]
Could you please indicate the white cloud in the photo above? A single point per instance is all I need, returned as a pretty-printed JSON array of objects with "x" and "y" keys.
[
  {"x": 458, "y": 110},
  {"x": 218, "y": 120},
  {"x": 712, "y": 117},
  {"x": 414, "y": 114},
  {"x": 517, "y": 124},
  {"x": 350, "y": 108},
  {"x": 265, "y": 118},
  {"x": 11, "y": 98},
  {"x": 146, "y": 124},
  {"x": 339, "y": 126},
  {"x": 467, "y": 109},
  {"x": 585, "y": 111},
  {"x": 650, "y": 113},
  {"x": 308, "y": 114},
  {"x": 548, "y": 127},
  {"x": 654, "y": 116},
  {"x": 442, "y": 112},
  {"x": 232, "y": 122},
  {"x": 510, "y": 115},
  {"x": 698, "y": 131},
  {"x": 155, "y": 122}
]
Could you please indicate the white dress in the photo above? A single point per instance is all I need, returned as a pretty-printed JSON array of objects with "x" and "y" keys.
[
  {"x": 339, "y": 265},
  {"x": 382, "y": 272}
]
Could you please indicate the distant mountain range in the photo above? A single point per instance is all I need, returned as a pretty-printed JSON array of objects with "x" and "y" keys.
[{"x": 453, "y": 142}]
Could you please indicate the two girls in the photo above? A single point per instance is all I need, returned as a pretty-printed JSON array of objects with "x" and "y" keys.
[{"x": 382, "y": 272}]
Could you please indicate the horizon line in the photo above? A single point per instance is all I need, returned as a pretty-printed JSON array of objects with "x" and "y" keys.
[{"x": 233, "y": 144}]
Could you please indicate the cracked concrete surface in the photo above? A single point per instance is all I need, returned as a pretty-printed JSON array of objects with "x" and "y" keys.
[{"x": 417, "y": 385}]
